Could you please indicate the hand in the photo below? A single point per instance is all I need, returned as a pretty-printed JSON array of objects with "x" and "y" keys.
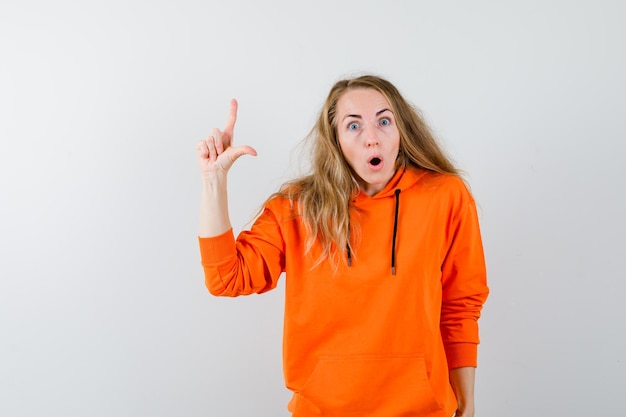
[{"x": 217, "y": 153}]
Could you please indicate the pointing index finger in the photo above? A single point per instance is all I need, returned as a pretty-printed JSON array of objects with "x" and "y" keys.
[{"x": 232, "y": 118}]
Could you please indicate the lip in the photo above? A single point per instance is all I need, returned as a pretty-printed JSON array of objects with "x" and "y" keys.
[{"x": 375, "y": 168}]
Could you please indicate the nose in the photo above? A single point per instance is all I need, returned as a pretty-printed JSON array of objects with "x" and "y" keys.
[{"x": 372, "y": 138}]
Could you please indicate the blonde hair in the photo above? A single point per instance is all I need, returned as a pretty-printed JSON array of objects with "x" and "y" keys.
[{"x": 322, "y": 198}]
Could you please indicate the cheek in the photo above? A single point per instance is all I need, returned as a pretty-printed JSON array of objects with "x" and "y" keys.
[
  {"x": 396, "y": 140},
  {"x": 350, "y": 155},
  {"x": 344, "y": 146}
]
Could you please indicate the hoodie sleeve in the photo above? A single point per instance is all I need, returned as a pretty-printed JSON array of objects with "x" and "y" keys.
[
  {"x": 464, "y": 285},
  {"x": 250, "y": 264}
]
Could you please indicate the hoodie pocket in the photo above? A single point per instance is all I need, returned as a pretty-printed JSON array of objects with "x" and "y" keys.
[{"x": 368, "y": 386}]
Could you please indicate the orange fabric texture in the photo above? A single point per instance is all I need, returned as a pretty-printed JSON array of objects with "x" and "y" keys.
[{"x": 359, "y": 341}]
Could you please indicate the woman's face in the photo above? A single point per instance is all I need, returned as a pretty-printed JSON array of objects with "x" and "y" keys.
[{"x": 368, "y": 137}]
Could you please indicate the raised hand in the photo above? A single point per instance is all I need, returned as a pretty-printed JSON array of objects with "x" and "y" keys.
[{"x": 217, "y": 153}]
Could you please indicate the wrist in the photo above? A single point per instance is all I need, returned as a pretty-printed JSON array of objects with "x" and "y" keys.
[
  {"x": 464, "y": 407},
  {"x": 214, "y": 185}
]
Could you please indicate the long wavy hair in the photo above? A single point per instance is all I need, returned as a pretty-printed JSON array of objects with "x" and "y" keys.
[{"x": 322, "y": 198}]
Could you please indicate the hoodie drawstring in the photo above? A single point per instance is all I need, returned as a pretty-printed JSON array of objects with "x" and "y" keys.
[{"x": 395, "y": 233}]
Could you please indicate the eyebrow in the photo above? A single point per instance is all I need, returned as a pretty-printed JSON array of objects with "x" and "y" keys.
[{"x": 358, "y": 116}]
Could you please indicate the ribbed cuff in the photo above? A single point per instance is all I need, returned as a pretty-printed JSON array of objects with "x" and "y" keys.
[{"x": 461, "y": 354}]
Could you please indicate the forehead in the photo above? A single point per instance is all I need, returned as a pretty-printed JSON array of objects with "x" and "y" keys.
[{"x": 362, "y": 102}]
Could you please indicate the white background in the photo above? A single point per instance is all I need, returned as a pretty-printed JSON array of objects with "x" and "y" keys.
[{"x": 103, "y": 310}]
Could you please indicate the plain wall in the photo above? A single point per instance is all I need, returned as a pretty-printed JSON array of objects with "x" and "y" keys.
[{"x": 103, "y": 309}]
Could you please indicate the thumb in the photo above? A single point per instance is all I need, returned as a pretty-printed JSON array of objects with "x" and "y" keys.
[{"x": 233, "y": 153}]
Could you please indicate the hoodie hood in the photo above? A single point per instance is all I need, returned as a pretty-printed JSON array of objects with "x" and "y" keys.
[{"x": 402, "y": 179}]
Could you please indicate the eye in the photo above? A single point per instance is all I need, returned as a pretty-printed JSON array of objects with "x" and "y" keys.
[
  {"x": 353, "y": 126},
  {"x": 384, "y": 122}
]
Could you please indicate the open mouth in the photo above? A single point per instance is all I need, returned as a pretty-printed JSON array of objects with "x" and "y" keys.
[{"x": 375, "y": 161}]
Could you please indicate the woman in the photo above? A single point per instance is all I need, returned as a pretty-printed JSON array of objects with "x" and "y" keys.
[{"x": 385, "y": 273}]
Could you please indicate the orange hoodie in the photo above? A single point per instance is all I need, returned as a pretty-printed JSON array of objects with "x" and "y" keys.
[{"x": 376, "y": 336}]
